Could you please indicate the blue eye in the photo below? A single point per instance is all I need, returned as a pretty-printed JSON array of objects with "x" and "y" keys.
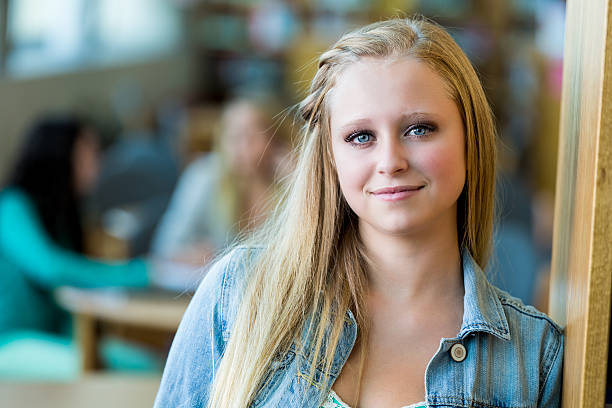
[
  {"x": 420, "y": 130},
  {"x": 359, "y": 138},
  {"x": 362, "y": 138}
]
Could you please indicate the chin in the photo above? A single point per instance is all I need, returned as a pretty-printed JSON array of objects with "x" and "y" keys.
[
  {"x": 399, "y": 228},
  {"x": 404, "y": 231}
]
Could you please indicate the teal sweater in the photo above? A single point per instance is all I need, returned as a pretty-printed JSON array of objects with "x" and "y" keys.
[{"x": 32, "y": 265}]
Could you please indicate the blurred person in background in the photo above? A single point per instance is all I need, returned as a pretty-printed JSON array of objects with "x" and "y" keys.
[
  {"x": 223, "y": 193},
  {"x": 42, "y": 244}
]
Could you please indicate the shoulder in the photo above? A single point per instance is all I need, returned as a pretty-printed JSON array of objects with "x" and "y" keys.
[
  {"x": 535, "y": 336},
  {"x": 202, "y": 168},
  {"x": 196, "y": 181},
  {"x": 518, "y": 312},
  {"x": 223, "y": 285},
  {"x": 202, "y": 336},
  {"x": 231, "y": 267},
  {"x": 17, "y": 211},
  {"x": 13, "y": 199},
  {"x": 229, "y": 271}
]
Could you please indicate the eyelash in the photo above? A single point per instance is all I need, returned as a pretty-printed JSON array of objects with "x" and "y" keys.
[{"x": 354, "y": 135}]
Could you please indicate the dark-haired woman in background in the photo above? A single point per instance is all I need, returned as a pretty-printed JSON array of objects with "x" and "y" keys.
[{"x": 41, "y": 246}]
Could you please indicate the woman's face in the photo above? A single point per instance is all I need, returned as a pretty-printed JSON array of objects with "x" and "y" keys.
[
  {"x": 398, "y": 144},
  {"x": 85, "y": 159},
  {"x": 245, "y": 139}
]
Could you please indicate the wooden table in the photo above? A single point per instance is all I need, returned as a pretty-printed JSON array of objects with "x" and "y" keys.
[
  {"x": 92, "y": 391},
  {"x": 146, "y": 314}
]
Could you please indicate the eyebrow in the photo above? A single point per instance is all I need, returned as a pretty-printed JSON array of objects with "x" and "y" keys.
[{"x": 408, "y": 117}]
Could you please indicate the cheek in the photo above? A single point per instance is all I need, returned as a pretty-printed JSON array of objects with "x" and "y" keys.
[
  {"x": 352, "y": 173},
  {"x": 86, "y": 170},
  {"x": 259, "y": 145},
  {"x": 446, "y": 165},
  {"x": 352, "y": 178}
]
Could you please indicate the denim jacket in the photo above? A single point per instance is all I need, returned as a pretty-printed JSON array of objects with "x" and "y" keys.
[{"x": 514, "y": 353}]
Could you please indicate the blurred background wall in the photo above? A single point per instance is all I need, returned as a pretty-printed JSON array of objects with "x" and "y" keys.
[{"x": 88, "y": 91}]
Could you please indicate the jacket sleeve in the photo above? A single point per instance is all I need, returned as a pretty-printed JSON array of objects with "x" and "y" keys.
[
  {"x": 199, "y": 342},
  {"x": 550, "y": 394}
]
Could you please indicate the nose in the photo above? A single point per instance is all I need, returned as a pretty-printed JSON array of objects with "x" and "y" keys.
[{"x": 392, "y": 157}]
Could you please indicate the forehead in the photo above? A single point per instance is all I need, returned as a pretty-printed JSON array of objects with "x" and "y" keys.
[
  {"x": 373, "y": 87},
  {"x": 241, "y": 110},
  {"x": 243, "y": 116}
]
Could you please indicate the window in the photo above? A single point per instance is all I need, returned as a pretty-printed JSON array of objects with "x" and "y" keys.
[{"x": 63, "y": 35}]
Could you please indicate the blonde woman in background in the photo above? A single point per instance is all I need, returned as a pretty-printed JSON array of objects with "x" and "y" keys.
[
  {"x": 366, "y": 287},
  {"x": 224, "y": 192}
]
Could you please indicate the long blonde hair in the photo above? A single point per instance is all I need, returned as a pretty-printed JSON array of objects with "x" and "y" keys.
[
  {"x": 231, "y": 193},
  {"x": 312, "y": 262}
]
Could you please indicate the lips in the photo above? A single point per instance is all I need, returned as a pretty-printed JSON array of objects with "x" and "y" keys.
[
  {"x": 395, "y": 190},
  {"x": 394, "y": 194}
]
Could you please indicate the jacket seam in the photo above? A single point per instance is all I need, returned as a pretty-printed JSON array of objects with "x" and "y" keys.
[
  {"x": 550, "y": 363},
  {"x": 501, "y": 315},
  {"x": 223, "y": 299},
  {"x": 536, "y": 315},
  {"x": 227, "y": 285}
]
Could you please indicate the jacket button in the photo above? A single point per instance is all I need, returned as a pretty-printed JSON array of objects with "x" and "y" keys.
[{"x": 458, "y": 352}]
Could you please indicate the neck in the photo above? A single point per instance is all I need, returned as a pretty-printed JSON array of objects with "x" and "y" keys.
[{"x": 414, "y": 268}]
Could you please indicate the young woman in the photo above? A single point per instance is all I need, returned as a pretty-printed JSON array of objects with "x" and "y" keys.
[
  {"x": 221, "y": 193},
  {"x": 366, "y": 288}
]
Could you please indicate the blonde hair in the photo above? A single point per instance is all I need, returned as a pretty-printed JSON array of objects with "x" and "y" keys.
[
  {"x": 312, "y": 262},
  {"x": 231, "y": 194}
]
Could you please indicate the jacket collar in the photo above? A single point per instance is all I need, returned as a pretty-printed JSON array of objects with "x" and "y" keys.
[{"x": 482, "y": 309}]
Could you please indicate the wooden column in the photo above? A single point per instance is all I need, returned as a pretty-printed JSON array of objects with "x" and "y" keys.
[{"x": 582, "y": 246}]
